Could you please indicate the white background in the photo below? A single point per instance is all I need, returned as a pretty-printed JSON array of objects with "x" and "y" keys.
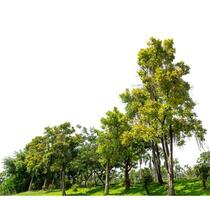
[{"x": 69, "y": 61}]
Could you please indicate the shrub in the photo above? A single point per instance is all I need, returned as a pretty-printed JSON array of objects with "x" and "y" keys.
[{"x": 8, "y": 187}]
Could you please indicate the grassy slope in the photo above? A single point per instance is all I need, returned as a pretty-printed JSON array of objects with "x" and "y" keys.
[{"x": 182, "y": 187}]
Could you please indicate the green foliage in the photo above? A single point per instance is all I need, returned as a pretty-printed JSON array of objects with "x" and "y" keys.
[
  {"x": 62, "y": 144},
  {"x": 146, "y": 176},
  {"x": 202, "y": 169},
  {"x": 15, "y": 178},
  {"x": 109, "y": 139},
  {"x": 8, "y": 186},
  {"x": 35, "y": 151},
  {"x": 164, "y": 97}
]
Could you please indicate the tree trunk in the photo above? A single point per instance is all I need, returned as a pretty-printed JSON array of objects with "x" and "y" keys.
[
  {"x": 204, "y": 184},
  {"x": 164, "y": 152},
  {"x": 53, "y": 179},
  {"x": 127, "y": 179},
  {"x": 85, "y": 181},
  {"x": 171, "y": 190},
  {"x": 95, "y": 179},
  {"x": 63, "y": 181},
  {"x": 140, "y": 172},
  {"x": 100, "y": 178},
  {"x": 106, "y": 189},
  {"x": 73, "y": 180},
  {"x": 31, "y": 182},
  {"x": 44, "y": 187},
  {"x": 156, "y": 163}
]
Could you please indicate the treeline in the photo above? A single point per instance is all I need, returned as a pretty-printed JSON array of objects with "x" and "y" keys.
[{"x": 158, "y": 115}]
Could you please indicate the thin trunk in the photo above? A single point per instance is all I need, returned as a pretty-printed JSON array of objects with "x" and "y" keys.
[
  {"x": 73, "y": 180},
  {"x": 87, "y": 177},
  {"x": 95, "y": 179},
  {"x": 44, "y": 187},
  {"x": 106, "y": 189},
  {"x": 53, "y": 179},
  {"x": 140, "y": 172},
  {"x": 63, "y": 181},
  {"x": 156, "y": 160},
  {"x": 100, "y": 178},
  {"x": 171, "y": 190},
  {"x": 31, "y": 182},
  {"x": 165, "y": 154},
  {"x": 204, "y": 184},
  {"x": 127, "y": 179},
  {"x": 85, "y": 182},
  {"x": 166, "y": 145}
]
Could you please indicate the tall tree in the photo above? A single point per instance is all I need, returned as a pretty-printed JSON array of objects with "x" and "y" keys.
[{"x": 166, "y": 115}]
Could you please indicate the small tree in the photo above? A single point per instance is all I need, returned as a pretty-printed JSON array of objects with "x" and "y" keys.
[
  {"x": 202, "y": 168},
  {"x": 109, "y": 143},
  {"x": 63, "y": 147}
]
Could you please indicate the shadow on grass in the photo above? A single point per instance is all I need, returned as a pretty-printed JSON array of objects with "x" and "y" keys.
[
  {"x": 95, "y": 190},
  {"x": 137, "y": 190},
  {"x": 189, "y": 187},
  {"x": 157, "y": 190}
]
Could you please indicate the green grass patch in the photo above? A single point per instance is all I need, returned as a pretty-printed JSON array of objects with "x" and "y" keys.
[{"x": 182, "y": 187}]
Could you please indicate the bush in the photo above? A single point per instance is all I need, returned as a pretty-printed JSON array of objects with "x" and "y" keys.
[
  {"x": 202, "y": 171},
  {"x": 8, "y": 187}
]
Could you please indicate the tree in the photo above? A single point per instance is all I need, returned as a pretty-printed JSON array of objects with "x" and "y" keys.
[
  {"x": 202, "y": 168},
  {"x": 14, "y": 177},
  {"x": 110, "y": 144},
  {"x": 87, "y": 162},
  {"x": 35, "y": 151},
  {"x": 166, "y": 113},
  {"x": 63, "y": 147},
  {"x": 134, "y": 101}
]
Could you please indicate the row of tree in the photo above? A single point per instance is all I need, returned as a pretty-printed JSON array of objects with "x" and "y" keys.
[{"x": 158, "y": 115}]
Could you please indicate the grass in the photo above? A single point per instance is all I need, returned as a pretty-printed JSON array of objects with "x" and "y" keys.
[{"x": 183, "y": 187}]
